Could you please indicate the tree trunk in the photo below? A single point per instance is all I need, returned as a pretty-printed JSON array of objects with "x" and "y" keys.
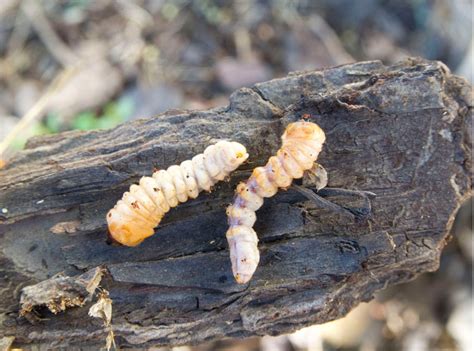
[{"x": 402, "y": 132}]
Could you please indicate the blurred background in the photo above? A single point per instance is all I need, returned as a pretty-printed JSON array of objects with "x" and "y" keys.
[{"x": 89, "y": 64}]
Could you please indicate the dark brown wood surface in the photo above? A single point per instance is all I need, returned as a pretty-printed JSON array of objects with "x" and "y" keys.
[{"x": 402, "y": 132}]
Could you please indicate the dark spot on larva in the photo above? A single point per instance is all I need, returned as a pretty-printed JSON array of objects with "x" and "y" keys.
[
  {"x": 135, "y": 205},
  {"x": 187, "y": 176},
  {"x": 243, "y": 260},
  {"x": 110, "y": 214},
  {"x": 156, "y": 189}
]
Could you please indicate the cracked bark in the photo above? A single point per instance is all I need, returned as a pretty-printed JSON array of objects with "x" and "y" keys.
[{"x": 402, "y": 132}]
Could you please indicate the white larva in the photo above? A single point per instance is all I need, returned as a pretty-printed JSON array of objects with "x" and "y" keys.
[
  {"x": 141, "y": 209},
  {"x": 301, "y": 144}
]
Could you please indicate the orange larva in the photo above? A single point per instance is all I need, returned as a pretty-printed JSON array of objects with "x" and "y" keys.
[
  {"x": 301, "y": 144},
  {"x": 141, "y": 209}
]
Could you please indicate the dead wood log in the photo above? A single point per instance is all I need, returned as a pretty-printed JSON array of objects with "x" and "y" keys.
[{"x": 402, "y": 132}]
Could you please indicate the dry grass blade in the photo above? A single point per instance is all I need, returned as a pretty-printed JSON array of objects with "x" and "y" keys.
[{"x": 36, "y": 111}]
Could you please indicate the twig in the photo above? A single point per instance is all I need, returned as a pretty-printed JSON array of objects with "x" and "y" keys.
[
  {"x": 40, "y": 23},
  {"x": 242, "y": 40},
  {"x": 37, "y": 110},
  {"x": 346, "y": 192},
  {"x": 330, "y": 39},
  {"x": 311, "y": 195},
  {"x": 19, "y": 34}
]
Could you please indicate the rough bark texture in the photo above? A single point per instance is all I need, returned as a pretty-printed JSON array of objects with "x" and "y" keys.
[{"x": 402, "y": 132}]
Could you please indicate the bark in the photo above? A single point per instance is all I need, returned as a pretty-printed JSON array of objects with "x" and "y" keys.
[{"x": 402, "y": 132}]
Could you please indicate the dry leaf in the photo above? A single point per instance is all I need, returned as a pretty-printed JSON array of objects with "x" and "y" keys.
[
  {"x": 316, "y": 177},
  {"x": 110, "y": 341},
  {"x": 102, "y": 308}
]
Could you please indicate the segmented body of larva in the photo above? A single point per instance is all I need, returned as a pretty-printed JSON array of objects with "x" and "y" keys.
[
  {"x": 301, "y": 144},
  {"x": 141, "y": 209}
]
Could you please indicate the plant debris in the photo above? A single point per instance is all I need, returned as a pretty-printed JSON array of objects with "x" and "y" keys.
[
  {"x": 103, "y": 309},
  {"x": 59, "y": 293}
]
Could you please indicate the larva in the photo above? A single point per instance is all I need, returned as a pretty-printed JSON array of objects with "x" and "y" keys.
[
  {"x": 301, "y": 143},
  {"x": 141, "y": 209}
]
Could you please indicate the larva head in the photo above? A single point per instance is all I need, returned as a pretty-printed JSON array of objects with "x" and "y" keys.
[
  {"x": 304, "y": 130},
  {"x": 237, "y": 154},
  {"x": 126, "y": 232}
]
